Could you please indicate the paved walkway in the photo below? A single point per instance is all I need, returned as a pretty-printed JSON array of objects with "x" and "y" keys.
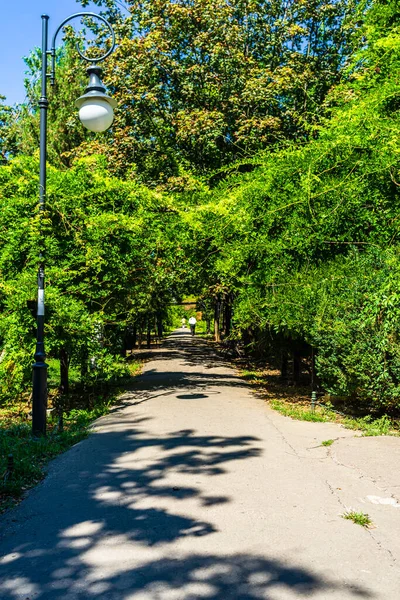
[{"x": 194, "y": 489}]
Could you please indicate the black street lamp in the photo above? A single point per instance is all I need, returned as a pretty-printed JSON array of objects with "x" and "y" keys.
[{"x": 96, "y": 114}]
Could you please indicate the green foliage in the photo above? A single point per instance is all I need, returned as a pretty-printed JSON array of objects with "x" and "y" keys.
[
  {"x": 373, "y": 427},
  {"x": 300, "y": 413},
  {"x": 198, "y": 84},
  {"x": 20, "y": 130},
  {"x": 306, "y": 242},
  {"x": 291, "y": 236},
  {"x": 110, "y": 265},
  {"x": 359, "y": 518},
  {"x": 327, "y": 443},
  {"x": 8, "y": 142},
  {"x": 109, "y": 369}
]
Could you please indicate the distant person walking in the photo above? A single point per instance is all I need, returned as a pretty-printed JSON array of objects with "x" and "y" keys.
[
  {"x": 192, "y": 323},
  {"x": 183, "y": 322}
]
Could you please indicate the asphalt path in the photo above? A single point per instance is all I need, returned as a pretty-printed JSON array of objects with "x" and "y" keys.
[{"x": 192, "y": 488}]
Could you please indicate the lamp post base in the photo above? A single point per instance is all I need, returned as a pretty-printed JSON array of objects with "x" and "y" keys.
[{"x": 39, "y": 398}]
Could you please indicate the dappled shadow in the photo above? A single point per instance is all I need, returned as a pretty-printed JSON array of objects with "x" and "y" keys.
[
  {"x": 88, "y": 530},
  {"x": 182, "y": 362},
  {"x": 153, "y": 379},
  {"x": 239, "y": 576},
  {"x": 180, "y": 344},
  {"x": 96, "y": 494},
  {"x": 271, "y": 386},
  {"x": 112, "y": 519}
]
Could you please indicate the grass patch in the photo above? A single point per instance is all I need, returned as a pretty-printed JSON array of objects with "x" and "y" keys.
[
  {"x": 327, "y": 442},
  {"x": 252, "y": 376},
  {"x": 359, "y": 518},
  {"x": 295, "y": 402},
  {"x": 30, "y": 456},
  {"x": 301, "y": 413},
  {"x": 367, "y": 425},
  {"x": 372, "y": 427}
]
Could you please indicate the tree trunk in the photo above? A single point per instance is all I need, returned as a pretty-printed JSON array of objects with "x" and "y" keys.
[
  {"x": 296, "y": 366},
  {"x": 134, "y": 336},
  {"x": 148, "y": 335},
  {"x": 140, "y": 337},
  {"x": 246, "y": 337},
  {"x": 208, "y": 326},
  {"x": 228, "y": 318},
  {"x": 284, "y": 365},
  {"x": 222, "y": 317},
  {"x": 315, "y": 381},
  {"x": 124, "y": 344},
  {"x": 217, "y": 335},
  {"x": 159, "y": 326},
  {"x": 64, "y": 371},
  {"x": 84, "y": 364}
]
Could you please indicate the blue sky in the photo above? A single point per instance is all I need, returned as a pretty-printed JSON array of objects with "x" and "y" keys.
[{"x": 20, "y": 31}]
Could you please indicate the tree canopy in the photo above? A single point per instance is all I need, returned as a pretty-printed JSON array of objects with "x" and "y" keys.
[
  {"x": 254, "y": 163},
  {"x": 200, "y": 84}
]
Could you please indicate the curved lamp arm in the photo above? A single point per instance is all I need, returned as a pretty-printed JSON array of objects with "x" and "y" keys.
[{"x": 93, "y": 60}]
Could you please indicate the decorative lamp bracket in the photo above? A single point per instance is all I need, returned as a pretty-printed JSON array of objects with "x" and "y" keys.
[{"x": 52, "y": 52}]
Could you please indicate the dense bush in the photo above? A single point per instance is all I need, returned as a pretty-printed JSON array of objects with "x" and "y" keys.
[
  {"x": 305, "y": 244},
  {"x": 110, "y": 257}
]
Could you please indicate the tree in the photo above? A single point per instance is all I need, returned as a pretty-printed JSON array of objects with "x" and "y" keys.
[
  {"x": 111, "y": 262},
  {"x": 65, "y": 132},
  {"x": 199, "y": 83},
  {"x": 306, "y": 243},
  {"x": 8, "y": 141},
  {"x": 202, "y": 83}
]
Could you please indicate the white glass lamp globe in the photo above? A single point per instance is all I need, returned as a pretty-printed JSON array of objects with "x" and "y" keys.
[{"x": 96, "y": 114}]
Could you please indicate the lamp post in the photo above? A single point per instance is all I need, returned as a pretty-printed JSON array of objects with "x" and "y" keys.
[{"x": 96, "y": 114}]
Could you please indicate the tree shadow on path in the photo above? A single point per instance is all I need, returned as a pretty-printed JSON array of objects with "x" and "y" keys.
[
  {"x": 176, "y": 358},
  {"x": 84, "y": 533},
  {"x": 108, "y": 522}
]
